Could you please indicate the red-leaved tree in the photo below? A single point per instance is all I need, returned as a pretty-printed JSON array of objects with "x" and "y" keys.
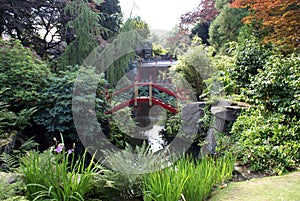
[
  {"x": 280, "y": 19},
  {"x": 205, "y": 12}
]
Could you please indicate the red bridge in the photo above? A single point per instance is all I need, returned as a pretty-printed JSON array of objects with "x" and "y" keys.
[{"x": 153, "y": 90}]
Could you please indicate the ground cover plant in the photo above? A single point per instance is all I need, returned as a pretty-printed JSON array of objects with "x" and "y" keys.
[
  {"x": 14, "y": 191},
  {"x": 267, "y": 141}
]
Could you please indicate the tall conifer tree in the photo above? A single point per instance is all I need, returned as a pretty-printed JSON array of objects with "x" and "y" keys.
[{"x": 87, "y": 32}]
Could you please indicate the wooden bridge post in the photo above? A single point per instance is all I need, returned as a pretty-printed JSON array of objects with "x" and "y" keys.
[
  {"x": 150, "y": 91},
  {"x": 136, "y": 92}
]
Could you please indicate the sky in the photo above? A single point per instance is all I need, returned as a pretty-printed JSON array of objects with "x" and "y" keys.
[{"x": 159, "y": 14}]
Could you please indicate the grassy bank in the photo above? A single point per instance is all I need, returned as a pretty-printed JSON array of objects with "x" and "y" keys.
[{"x": 286, "y": 187}]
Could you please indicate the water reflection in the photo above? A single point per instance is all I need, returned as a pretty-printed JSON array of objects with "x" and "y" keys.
[{"x": 155, "y": 139}]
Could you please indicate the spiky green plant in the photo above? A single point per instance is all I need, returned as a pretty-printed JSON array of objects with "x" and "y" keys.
[
  {"x": 165, "y": 185},
  {"x": 50, "y": 175},
  {"x": 224, "y": 167},
  {"x": 201, "y": 178},
  {"x": 188, "y": 179}
]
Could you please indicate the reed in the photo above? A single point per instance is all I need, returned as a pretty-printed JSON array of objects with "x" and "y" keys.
[
  {"x": 56, "y": 176},
  {"x": 188, "y": 179}
]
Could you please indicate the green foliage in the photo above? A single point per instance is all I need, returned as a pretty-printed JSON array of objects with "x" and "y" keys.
[
  {"x": 8, "y": 162},
  {"x": 225, "y": 143},
  {"x": 137, "y": 23},
  {"x": 56, "y": 109},
  {"x": 201, "y": 30},
  {"x": 11, "y": 122},
  {"x": 277, "y": 85},
  {"x": 267, "y": 141},
  {"x": 164, "y": 185},
  {"x": 22, "y": 76},
  {"x": 188, "y": 179},
  {"x": 120, "y": 65},
  {"x": 86, "y": 24},
  {"x": 11, "y": 162},
  {"x": 251, "y": 56},
  {"x": 111, "y": 17},
  {"x": 117, "y": 136},
  {"x": 158, "y": 49},
  {"x": 220, "y": 83},
  {"x": 173, "y": 124},
  {"x": 225, "y": 28},
  {"x": 12, "y": 192},
  {"x": 130, "y": 165},
  {"x": 51, "y": 176},
  {"x": 119, "y": 68},
  {"x": 195, "y": 66}
]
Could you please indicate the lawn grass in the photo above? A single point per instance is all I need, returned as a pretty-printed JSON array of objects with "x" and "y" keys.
[{"x": 283, "y": 188}]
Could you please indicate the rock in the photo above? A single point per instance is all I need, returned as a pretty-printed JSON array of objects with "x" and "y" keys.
[
  {"x": 7, "y": 145},
  {"x": 190, "y": 117},
  {"x": 10, "y": 178},
  {"x": 210, "y": 143},
  {"x": 225, "y": 113}
]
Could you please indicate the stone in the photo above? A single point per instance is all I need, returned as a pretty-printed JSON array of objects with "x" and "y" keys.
[
  {"x": 10, "y": 178},
  {"x": 210, "y": 143},
  {"x": 191, "y": 114},
  {"x": 226, "y": 113},
  {"x": 7, "y": 145}
]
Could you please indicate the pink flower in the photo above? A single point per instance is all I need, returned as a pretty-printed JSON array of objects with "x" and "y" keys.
[
  {"x": 70, "y": 151},
  {"x": 59, "y": 148}
]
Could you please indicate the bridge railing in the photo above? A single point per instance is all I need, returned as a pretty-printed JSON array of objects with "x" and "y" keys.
[{"x": 152, "y": 93}]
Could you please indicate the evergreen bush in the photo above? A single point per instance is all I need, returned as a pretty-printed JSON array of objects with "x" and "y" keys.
[
  {"x": 23, "y": 76},
  {"x": 267, "y": 141}
]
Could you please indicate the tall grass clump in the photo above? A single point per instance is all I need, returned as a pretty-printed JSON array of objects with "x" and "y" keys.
[
  {"x": 224, "y": 167},
  {"x": 164, "y": 185},
  {"x": 188, "y": 179},
  {"x": 202, "y": 176},
  {"x": 57, "y": 175}
]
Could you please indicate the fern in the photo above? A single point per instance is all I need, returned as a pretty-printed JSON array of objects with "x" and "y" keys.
[
  {"x": 10, "y": 162},
  {"x": 138, "y": 160},
  {"x": 26, "y": 146},
  {"x": 130, "y": 165}
]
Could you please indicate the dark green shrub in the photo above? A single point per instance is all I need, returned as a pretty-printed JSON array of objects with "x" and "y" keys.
[
  {"x": 23, "y": 76},
  {"x": 55, "y": 112},
  {"x": 251, "y": 56},
  {"x": 11, "y": 122},
  {"x": 277, "y": 85},
  {"x": 267, "y": 141}
]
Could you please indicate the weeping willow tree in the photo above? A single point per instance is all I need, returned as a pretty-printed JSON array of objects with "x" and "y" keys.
[
  {"x": 86, "y": 29},
  {"x": 118, "y": 69}
]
